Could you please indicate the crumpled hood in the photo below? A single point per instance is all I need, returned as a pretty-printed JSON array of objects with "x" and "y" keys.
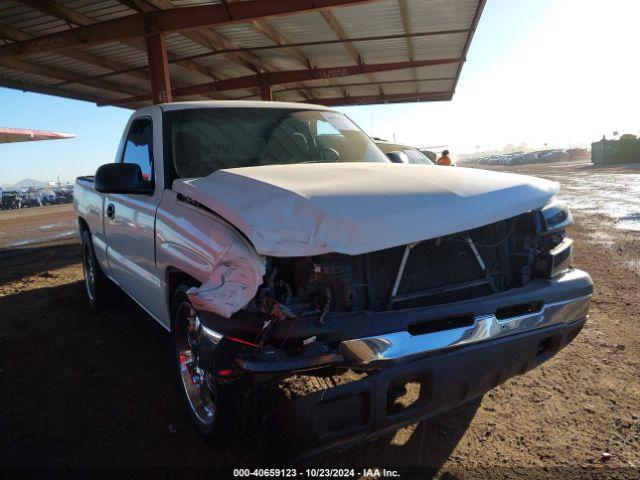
[{"x": 354, "y": 208}]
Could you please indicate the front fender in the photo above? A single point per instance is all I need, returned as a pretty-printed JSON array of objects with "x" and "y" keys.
[{"x": 210, "y": 250}]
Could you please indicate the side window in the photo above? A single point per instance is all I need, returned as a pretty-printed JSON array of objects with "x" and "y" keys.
[{"x": 139, "y": 147}]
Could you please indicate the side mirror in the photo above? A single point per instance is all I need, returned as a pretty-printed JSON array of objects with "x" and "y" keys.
[
  {"x": 398, "y": 157},
  {"x": 121, "y": 178}
]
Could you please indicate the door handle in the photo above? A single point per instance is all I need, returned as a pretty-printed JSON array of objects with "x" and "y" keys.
[{"x": 111, "y": 211}]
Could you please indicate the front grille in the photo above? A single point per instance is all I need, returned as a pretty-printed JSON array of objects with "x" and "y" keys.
[
  {"x": 439, "y": 271},
  {"x": 381, "y": 270}
]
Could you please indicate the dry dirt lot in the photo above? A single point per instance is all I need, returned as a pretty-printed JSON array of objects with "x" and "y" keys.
[
  {"x": 29, "y": 226},
  {"x": 85, "y": 389}
]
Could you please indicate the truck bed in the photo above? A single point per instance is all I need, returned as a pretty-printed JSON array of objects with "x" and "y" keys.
[{"x": 89, "y": 206}]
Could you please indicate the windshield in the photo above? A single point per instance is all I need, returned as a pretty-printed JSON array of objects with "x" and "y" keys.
[
  {"x": 201, "y": 141},
  {"x": 415, "y": 155}
]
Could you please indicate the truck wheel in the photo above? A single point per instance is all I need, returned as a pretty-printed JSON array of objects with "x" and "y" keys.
[
  {"x": 97, "y": 286},
  {"x": 224, "y": 413}
]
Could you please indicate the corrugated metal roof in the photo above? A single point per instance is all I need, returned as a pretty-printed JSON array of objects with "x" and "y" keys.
[
  {"x": 383, "y": 16},
  {"x": 441, "y": 14},
  {"x": 245, "y": 34},
  {"x": 100, "y": 11},
  {"x": 121, "y": 53},
  {"x": 304, "y": 27},
  {"x": 364, "y": 52}
]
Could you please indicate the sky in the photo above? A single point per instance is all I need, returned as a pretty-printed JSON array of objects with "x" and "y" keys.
[{"x": 559, "y": 73}]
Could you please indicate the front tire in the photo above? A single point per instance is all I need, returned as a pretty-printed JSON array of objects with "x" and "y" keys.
[{"x": 222, "y": 412}]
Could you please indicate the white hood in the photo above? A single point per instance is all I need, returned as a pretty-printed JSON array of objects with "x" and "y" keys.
[{"x": 354, "y": 208}]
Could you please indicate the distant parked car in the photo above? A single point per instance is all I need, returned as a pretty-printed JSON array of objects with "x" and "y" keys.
[
  {"x": 64, "y": 196},
  {"x": 414, "y": 155},
  {"x": 48, "y": 197},
  {"x": 11, "y": 200},
  {"x": 32, "y": 200},
  {"x": 433, "y": 156}
]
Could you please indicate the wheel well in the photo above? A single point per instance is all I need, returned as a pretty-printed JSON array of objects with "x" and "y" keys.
[
  {"x": 173, "y": 278},
  {"x": 83, "y": 225}
]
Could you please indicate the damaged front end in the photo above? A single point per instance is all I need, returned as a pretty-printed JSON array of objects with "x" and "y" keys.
[{"x": 368, "y": 311}]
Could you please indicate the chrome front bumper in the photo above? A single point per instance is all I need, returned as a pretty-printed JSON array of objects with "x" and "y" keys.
[{"x": 397, "y": 346}]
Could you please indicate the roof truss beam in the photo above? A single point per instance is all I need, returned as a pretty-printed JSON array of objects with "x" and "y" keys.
[
  {"x": 406, "y": 26},
  {"x": 201, "y": 37},
  {"x": 337, "y": 28},
  {"x": 275, "y": 36},
  {"x": 66, "y": 76},
  {"x": 385, "y": 98},
  {"x": 344, "y": 86},
  {"x": 162, "y": 21},
  {"x": 263, "y": 27},
  {"x": 174, "y": 59},
  {"x": 404, "y": 14},
  {"x": 189, "y": 61},
  {"x": 292, "y": 76},
  {"x": 204, "y": 37},
  {"x": 59, "y": 11},
  {"x": 16, "y": 35},
  {"x": 137, "y": 43},
  {"x": 218, "y": 42},
  {"x": 45, "y": 90},
  {"x": 71, "y": 16}
]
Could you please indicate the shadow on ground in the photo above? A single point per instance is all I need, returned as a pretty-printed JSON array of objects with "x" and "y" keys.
[
  {"x": 87, "y": 389},
  {"x": 17, "y": 263}
]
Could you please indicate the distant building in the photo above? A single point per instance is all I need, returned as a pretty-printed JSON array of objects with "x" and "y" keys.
[{"x": 624, "y": 150}]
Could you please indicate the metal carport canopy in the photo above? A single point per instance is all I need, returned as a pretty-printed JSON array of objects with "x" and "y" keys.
[
  {"x": 333, "y": 52},
  {"x": 12, "y": 135}
]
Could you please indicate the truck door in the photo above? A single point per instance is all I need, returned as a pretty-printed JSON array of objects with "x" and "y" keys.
[{"x": 130, "y": 223}]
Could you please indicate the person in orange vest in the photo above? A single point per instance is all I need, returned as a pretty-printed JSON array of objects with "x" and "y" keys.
[{"x": 444, "y": 159}]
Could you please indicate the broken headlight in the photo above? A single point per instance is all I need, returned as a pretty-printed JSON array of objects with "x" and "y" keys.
[
  {"x": 554, "y": 254},
  {"x": 556, "y": 261},
  {"x": 554, "y": 217}
]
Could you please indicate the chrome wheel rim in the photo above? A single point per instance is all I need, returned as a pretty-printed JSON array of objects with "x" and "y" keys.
[
  {"x": 197, "y": 384},
  {"x": 88, "y": 262}
]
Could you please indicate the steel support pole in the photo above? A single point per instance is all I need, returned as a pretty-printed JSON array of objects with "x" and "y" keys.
[
  {"x": 265, "y": 92},
  {"x": 159, "y": 69}
]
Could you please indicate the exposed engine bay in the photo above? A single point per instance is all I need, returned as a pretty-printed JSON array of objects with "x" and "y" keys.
[
  {"x": 300, "y": 295},
  {"x": 466, "y": 265}
]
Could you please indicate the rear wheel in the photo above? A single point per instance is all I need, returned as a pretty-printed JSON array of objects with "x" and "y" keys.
[
  {"x": 222, "y": 411},
  {"x": 98, "y": 288}
]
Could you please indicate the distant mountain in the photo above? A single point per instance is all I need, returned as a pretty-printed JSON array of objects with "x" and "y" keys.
[{"x": 27, "y": 182}]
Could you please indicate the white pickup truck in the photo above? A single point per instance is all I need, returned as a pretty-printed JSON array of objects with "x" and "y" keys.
[{"x": 274, "y": 238}]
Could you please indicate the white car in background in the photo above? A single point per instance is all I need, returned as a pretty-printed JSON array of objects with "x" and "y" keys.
[{"x": 400, "y": 153}]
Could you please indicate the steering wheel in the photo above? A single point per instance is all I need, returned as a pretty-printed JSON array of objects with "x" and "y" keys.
[{"x": 327, "y": 153}]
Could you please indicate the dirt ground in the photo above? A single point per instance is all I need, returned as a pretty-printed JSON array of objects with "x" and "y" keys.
[
  {"x": 84, "y": 389},
  {"x": 28, "y": 226}
]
